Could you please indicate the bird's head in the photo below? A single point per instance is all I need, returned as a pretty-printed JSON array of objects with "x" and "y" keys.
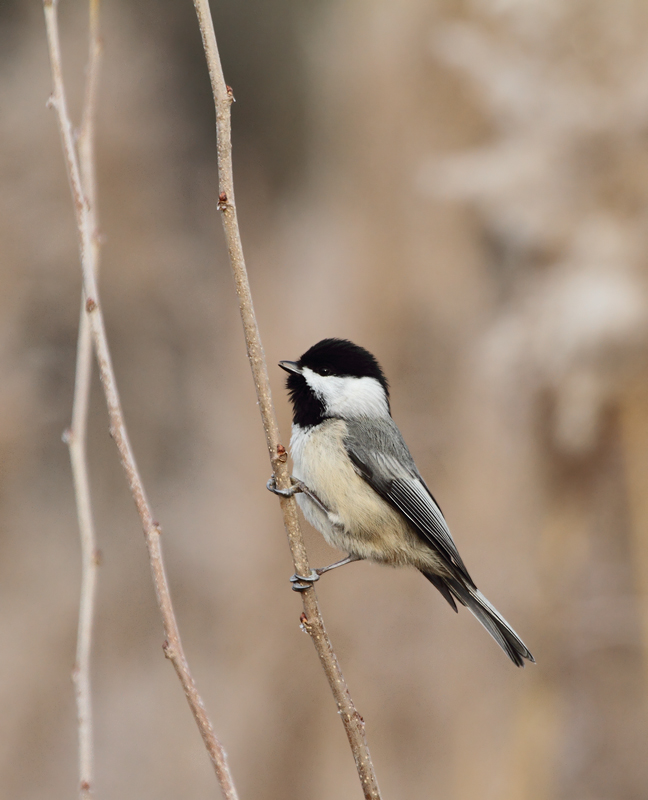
[{"x": 336, "y": 378}]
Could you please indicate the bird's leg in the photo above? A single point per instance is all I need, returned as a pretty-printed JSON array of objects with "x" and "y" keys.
[
  {"x": 297, "y": 486},
  {"x": 302, "y": 582},
  {"x": 348, "y": 560}
]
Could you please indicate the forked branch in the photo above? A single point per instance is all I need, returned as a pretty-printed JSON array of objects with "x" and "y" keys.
[
  {"x": 173, "y": 646},
  {"x": 311, "y": 618}
]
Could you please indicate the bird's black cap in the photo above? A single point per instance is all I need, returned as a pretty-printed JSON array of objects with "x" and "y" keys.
[{"x": 344, "y": 358}]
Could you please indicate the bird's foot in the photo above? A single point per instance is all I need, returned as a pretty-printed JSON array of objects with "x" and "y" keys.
[
  {"x": 302, "y": 582},
  {"x": 297, "y": 486}
]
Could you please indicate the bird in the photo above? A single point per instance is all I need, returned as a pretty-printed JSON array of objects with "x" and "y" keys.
[{"x": 356, "y": 482}]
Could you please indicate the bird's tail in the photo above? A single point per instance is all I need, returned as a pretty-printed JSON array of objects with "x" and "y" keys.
[{"x": 487, "y": 614}]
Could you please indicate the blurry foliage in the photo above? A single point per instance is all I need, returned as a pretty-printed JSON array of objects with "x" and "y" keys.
[{"x": 264, "y": 61}]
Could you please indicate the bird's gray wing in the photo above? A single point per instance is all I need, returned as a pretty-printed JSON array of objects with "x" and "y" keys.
[{"x": 382, "y": 458}]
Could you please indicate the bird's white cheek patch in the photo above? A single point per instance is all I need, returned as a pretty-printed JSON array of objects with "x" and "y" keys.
[{"x": 348, "y": 397}]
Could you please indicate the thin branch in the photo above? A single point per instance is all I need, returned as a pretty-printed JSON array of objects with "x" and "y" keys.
[
  {"x": 86, "y": 138},
  {"x": 311, "y": 618},
  {"x": 152, "y": 531},
  {"x": 75, "y": 437}
]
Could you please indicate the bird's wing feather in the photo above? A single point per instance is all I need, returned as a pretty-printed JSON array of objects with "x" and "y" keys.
[{"x": 383, "y": 460}]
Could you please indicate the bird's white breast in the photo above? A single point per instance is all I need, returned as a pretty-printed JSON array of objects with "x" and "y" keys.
[{"x": 358, "y": 521}]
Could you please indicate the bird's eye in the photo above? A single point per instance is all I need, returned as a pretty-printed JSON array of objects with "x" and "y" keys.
[{"x": 325, "y": 371}]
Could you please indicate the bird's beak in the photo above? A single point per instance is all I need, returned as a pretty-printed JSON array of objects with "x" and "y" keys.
[{"x": 290, "y": 366}]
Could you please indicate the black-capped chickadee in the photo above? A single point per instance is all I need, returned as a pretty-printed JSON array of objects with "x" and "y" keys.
[{"x": 357, "y": 483}]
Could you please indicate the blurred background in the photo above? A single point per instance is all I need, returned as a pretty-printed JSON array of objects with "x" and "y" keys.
[{"x": 461, "y": 186}]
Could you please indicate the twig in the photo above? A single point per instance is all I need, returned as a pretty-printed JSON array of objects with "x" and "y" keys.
[
  {"x": 311, "y": 618},
  {"x": 85, "y": 141},
  {"x": 152, "y": 531},
  {"x": 75, "y": 437}
]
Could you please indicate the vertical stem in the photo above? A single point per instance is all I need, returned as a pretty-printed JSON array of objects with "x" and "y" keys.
[
  {"x": 311, "y": 618},
  {"x": 93, "y": 314},
  {"x": 75, "y": 438},
  {"x": 76, "y": 441}
]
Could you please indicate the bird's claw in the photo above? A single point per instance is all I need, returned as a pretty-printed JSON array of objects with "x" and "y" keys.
[
  {"x": 302, "y": 582},
  {"x": 297, "y": 486}
]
